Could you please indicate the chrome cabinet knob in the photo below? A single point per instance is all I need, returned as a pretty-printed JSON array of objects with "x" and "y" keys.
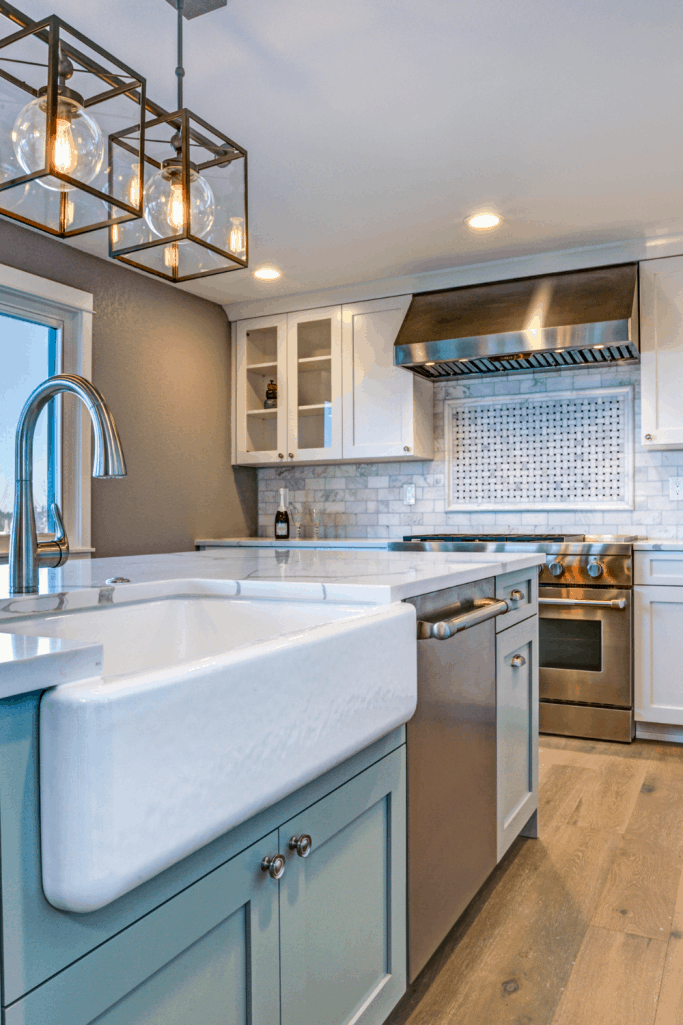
[
  {"x": 595, "y": 569},
  {"x": 281, "y": 455},
  {"x": 556, "y": 568},
  {"x": 291, "y": 455},
  {"x": 406, "y": 448},
  {"x": 303, "y": 845},
  {"x": 648, "y": 437},
  {"x": 516, "y": 595},
  {"x": 275, "y": 866},
  {"x": 518, "y": 661}
]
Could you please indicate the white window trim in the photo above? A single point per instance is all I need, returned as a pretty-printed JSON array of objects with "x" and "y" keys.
[{"x": 71, "y": 311}]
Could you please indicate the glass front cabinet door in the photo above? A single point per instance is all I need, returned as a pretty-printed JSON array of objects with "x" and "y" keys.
[
  {"x": 261, "y": 399},
  {"x": 288, "y": 376},
  {"x": 314, "y": 384}
]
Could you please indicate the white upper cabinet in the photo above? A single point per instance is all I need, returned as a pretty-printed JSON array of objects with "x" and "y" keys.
[
  {"x": 661, "y": 339},
  {"x": 261, "y": 358},
  {"x": 339, "y": 395},
  {"x": 387, "y": 410},
  {"x": 314, "y": 384}
]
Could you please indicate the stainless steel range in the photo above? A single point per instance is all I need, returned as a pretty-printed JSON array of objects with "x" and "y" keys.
[{"x": 585, "y": 625}]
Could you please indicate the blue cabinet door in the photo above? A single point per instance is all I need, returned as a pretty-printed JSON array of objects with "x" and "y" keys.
[
  {"x": 208, "y": 956},
  {"x": 342, "y": 908}
]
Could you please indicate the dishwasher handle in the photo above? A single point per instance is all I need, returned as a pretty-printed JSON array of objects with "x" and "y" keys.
[{"x": 484, "y": 608}]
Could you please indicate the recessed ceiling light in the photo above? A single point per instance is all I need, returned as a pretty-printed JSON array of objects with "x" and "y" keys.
[
  {"x": 483, "y": 221},
  {"x": 267, "y": 273}
]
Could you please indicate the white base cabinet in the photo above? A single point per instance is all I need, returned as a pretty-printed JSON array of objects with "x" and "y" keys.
[
  {"x": 658, "y": 637},
  {"x": 658, "y": 654}
]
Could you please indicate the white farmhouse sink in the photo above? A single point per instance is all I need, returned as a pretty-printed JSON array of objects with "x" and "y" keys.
[{"x": 208, "y": 710}]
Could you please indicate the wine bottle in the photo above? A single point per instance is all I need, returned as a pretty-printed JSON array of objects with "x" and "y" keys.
[{"x": 282, "y": 517}]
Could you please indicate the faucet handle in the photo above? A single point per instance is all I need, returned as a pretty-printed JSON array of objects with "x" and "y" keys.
[
  {"x": 60, "y": 533},
  {"x": 54, "y": 553}
]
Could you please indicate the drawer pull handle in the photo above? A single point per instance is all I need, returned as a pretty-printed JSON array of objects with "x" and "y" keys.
[
  {"x": 275, "y": 866},
  {"x": 301, "y": 844},
  {"x": 518, "y": 661},
  {"x": 517, "y": 595}
]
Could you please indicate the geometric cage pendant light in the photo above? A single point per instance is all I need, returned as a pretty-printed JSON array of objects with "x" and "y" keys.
[
  {"x": 194, "y": 197},
  {"x": 63, "y": 100}
]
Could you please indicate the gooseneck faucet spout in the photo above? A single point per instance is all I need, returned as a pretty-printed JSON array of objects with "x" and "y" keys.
[{"x": 27, "y": 554}]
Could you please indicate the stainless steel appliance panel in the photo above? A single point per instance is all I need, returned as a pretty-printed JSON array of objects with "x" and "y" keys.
[
  {"x": 451, "y": 774},
  {"x": 585, "y": 645},
  {"x": 587, "y": 721}
]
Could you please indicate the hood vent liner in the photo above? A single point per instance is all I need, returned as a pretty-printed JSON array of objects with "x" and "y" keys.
[{"x": 534, "y": 361}]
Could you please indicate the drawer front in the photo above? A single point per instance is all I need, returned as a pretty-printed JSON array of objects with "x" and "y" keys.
[
  {"x": 663, "y": 568},
  {"x": 522, "y": 588}
]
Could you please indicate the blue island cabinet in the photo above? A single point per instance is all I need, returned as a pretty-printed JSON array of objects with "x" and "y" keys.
[{"x": 324, "y": 945}]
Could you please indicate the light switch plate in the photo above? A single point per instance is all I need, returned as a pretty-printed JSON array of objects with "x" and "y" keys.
[
  {"x": 409, "y": 494},
  {"x": 676, "y": 489}
]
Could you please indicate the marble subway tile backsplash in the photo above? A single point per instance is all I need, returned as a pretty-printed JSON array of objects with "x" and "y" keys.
[{"x": 366, "y": 499}]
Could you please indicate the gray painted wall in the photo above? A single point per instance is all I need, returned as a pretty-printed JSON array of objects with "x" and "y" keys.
[{"x": 161, "y": 358}]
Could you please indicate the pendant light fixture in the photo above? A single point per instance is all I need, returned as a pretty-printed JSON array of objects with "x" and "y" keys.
[
  {"x": 194, "y": 196},
  {"x": 62, "y": 101}
]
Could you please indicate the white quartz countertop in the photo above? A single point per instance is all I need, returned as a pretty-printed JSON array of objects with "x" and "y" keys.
[
  {"x": 371, "y": 576},
  {"x": 292, "y": 542},
  {"x": 654, "y": 545}
]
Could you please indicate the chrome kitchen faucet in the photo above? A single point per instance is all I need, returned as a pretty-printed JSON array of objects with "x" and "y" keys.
[{"x": 27, "y": 554}]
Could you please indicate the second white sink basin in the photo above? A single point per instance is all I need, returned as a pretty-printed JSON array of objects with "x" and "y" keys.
[{"x": 208, "y": 710}]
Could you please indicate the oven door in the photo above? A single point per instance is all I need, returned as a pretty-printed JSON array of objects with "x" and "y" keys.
[{"x": 585, "y": 645}]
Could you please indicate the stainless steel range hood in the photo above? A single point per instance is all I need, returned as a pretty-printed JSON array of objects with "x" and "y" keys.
[{"x": 577, "y": 319}]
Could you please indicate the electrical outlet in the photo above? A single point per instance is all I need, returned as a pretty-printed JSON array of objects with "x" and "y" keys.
[
  {"x": 676, "y": 489},
  {"x": 409, "y": 494}
]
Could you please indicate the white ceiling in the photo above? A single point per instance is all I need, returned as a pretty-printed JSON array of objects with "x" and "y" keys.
[{"x": 375, "y": 126}]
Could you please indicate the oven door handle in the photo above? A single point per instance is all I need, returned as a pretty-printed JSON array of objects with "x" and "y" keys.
[
  {"x": 615, "y": 603},
  {"x": 484, "y": 608}
]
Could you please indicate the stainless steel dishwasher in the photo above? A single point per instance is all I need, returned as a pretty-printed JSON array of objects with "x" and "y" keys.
[{"x": 451, "y": 761}]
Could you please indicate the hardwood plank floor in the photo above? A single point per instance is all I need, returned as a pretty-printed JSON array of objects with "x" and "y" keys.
[{"x": 583, "y": 926}]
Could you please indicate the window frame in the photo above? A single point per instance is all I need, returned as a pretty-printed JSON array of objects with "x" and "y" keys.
[{"x": 69, "y": 311}]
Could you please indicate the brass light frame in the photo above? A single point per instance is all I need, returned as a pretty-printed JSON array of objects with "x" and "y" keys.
[
  {"x": 51, "y": 31},
  {"x": 190, "y": 129}
]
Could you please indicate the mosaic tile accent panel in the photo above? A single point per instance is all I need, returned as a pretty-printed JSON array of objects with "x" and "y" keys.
[
  {"x": 366, "y": 499},
  {"x": 567, "y": 450}
]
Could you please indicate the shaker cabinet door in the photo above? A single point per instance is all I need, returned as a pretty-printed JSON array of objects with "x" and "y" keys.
[
  {"x": 387, "y": 409},
  {"x": 661, "y": 358},
  {"x": 261, "y": 362},
  {"x": 516, "y": 729},
  {"x": 342, "y": 908},
  {"x": 658, "y": 654},
  {"x": 206, "y": 957}
]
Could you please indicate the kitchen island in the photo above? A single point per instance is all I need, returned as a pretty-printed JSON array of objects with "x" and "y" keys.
[{"x": 218, "y": 934}]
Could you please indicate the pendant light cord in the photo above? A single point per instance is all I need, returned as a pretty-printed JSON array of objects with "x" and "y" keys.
[{"x": 180, "y": 70}]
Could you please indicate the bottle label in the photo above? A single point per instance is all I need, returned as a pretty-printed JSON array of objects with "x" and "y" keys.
[{"x": 280, "y": 530}]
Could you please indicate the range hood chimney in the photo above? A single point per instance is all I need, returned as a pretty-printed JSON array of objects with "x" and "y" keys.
[{"x": 576, "y": 319}]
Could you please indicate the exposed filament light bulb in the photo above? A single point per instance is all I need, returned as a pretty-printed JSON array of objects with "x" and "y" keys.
[
  {"x": 134, "y": 187},
  {"x": 171, "y": 256},
  {"x": 176, "y": 211},
  {"x": 65, "y": 154},
  {"x": 236, "y": 239}
]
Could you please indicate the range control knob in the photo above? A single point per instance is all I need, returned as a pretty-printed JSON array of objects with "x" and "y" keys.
[
  {"x": 556, "y": 568},
  {"x": 595, "y": 569}
]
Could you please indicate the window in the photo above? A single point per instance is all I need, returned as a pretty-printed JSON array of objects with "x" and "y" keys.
[
  {"x": 28, "y": 354},
  {"x": 45, "y": 328}
]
